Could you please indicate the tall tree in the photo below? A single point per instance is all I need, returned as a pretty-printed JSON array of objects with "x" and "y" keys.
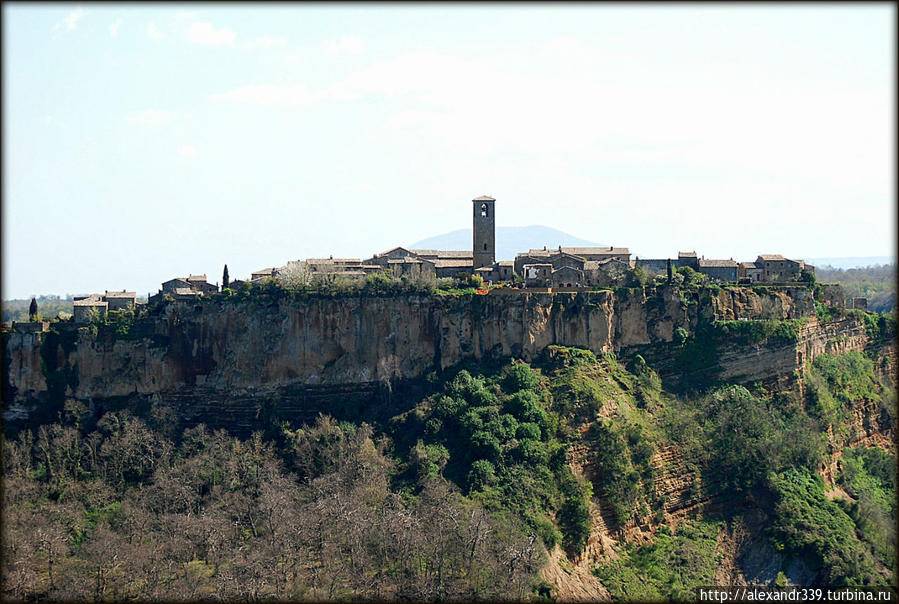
[
  {"x": 225, "y": 281},
  {"x": 669, "y": 271},
  {"x": 32, "y": 310}
]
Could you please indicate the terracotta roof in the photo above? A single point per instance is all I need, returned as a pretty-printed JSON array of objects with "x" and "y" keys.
[
  {"x": 122, "y": 294},
  {"x": 90, "y": 301},
  {"x": 506, "y": 263},
  {"x": 543, "y": 252},
  {"x": 770, "y": 257},
  {"x": 453, "y": 262},
  {"x": 686, "y": 254},
  {"x": 483, "y": 198},
  {"x": 717, "y": 264},
  {"x": 197, "y": 277},
  {"x": 444, "y": 254},
  {"x": 580, "y": 251},
  {"x": 749, "y": 265}
]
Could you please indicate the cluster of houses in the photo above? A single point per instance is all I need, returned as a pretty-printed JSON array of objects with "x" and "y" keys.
[{"x": 561, "y": 267}]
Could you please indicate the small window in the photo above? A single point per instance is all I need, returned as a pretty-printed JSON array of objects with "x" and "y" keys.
[
  {"x": 485, "y": 246},
  {"x": 485, "y": 211}
]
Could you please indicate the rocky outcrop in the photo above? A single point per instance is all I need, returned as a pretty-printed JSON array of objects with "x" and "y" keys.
[{"x": 233, "y": 348}]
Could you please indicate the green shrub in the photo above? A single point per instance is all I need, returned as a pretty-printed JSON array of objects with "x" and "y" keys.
[
  {"x": 482, "y": 475},
  {"x": 806, "y": 522},
  {"x": 519, "y": 377},
  {"x": 528, "y": 430}
]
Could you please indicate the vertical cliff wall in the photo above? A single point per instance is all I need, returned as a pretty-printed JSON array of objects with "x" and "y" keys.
[{"x": 241, "y": 347}]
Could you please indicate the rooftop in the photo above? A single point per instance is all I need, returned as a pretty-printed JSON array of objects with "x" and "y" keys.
[
  {"x": 771, "y": 257},
  {"x": 453, "y": 262},
  {"x": 333, "y": 260},
  {"x": 718, "y": 263},
  {"x": 444, "y": 254},
  {"x": 483, "y": 198},
  {"x": 90, "y": 301}
]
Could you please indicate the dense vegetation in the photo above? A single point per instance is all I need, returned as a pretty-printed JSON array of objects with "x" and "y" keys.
[
  {"x": 669, "y": 568},
  {"x": 127, "y": 510},
  {"x": 458, "y": 495}
]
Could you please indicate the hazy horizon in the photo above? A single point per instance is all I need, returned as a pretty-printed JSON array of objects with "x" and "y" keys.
[{"x": 147, "y": 141}]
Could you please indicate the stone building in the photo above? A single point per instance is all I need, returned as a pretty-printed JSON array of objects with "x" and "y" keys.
[
  {"x": 85, "y": 306},
  {"x": 563, "y": 256},
  {"x": 537, "y": 275},
  {"x": 448, "y": 263},
  {"x": 263, "y": 273},
  {"x": 400, "y": 261},
  {"x": 483, "y": 231},
  {"x": 598, "y": 253},
  {"x": 198, "y": 283},
  {"x": 751, "y": 271},
  {"x": 120, "y": 300},
  {"x": 568, "y": 276},
  {"x": 687, "y": 259},
  {"x": 184, "y": 288},
  {"x": 655, "y": 266},
  {"x": 605, "y": 273},
  {"x": 777, "y": 268},
  {"x": 720, "y": 270}
]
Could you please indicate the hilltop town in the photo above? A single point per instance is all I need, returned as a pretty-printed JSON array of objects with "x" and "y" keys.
[{"x": 546, "y": 269}]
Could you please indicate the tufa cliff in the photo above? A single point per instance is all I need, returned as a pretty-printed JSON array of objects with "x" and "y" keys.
[{"x": 239, "y": 349}]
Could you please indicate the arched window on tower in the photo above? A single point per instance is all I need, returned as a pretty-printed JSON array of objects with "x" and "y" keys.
[{"x": 484, "y": 210}]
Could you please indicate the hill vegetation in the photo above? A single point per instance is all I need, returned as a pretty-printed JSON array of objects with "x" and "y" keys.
[
  {"x": 458, "y": 495},
  {"x": 876, "y": 283}
]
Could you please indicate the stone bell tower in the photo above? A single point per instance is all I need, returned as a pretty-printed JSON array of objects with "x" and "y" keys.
[{"x": 484, "y": 229}]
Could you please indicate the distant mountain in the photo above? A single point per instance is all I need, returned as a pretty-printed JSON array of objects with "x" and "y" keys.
[
  {"x": 851, "y": 262},
  {"x": 509, "y": 240}
]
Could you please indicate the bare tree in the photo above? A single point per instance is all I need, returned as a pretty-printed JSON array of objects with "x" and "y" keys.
[{"x": 295, "y": 273}]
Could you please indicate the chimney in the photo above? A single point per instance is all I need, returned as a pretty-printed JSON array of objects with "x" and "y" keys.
[{"x": 611, "y": 247}]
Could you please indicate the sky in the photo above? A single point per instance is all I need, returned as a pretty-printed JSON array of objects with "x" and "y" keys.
[{"x": 147, "y": 141}]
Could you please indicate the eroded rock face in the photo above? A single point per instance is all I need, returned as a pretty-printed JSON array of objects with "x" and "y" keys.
[{"x": 241, "y": 346}]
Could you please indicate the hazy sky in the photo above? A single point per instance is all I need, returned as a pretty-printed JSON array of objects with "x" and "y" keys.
[{"x": 142, "y": 142}]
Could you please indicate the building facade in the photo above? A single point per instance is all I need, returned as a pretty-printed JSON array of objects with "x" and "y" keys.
[{"x": 483, "y": 231}]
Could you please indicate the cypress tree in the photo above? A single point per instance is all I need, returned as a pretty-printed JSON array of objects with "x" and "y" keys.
[
  {"x": 669, "y": 271},
  {"x": 225, "y": 280},
  {"x": 32, "y": 310}
]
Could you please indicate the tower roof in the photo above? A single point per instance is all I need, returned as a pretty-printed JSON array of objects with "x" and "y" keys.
[{"x": 483, "y": 198}]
